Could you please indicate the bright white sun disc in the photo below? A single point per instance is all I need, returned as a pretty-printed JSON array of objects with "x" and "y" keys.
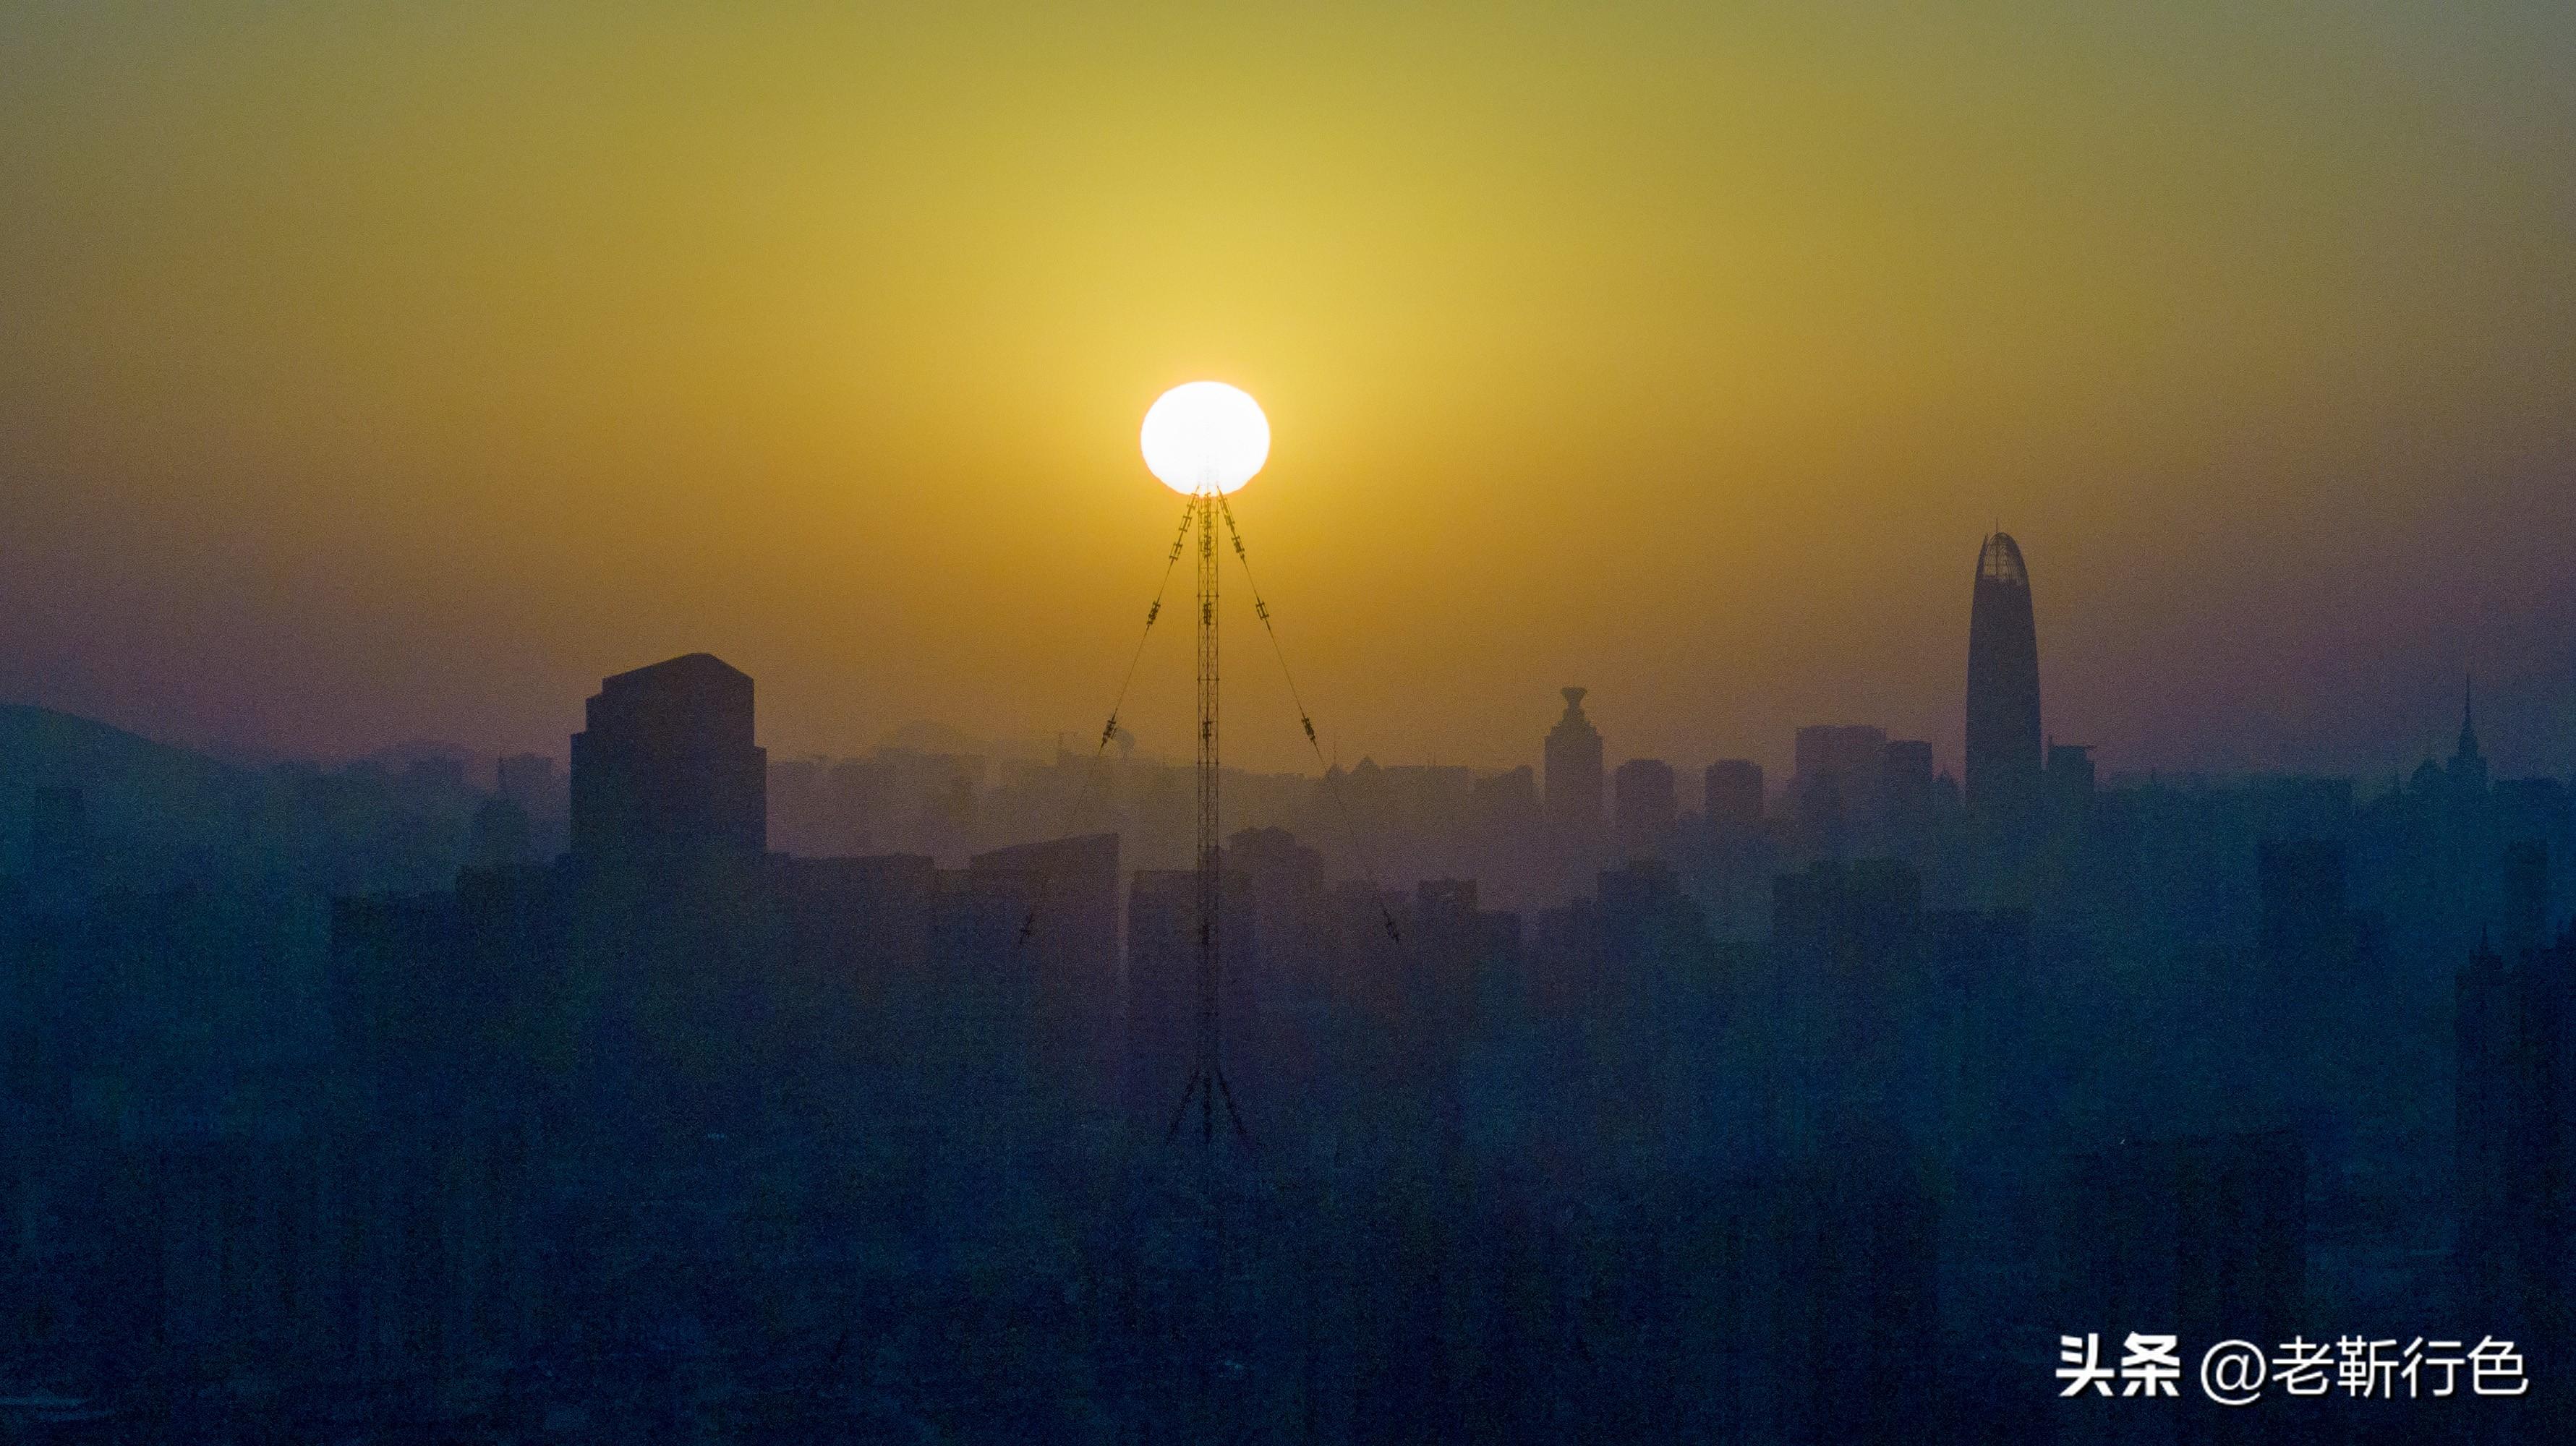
[{"x": 1205, "y": 437}]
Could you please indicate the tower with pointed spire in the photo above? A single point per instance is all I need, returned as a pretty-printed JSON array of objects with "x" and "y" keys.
[
  {"x": 2468, "y": 765},
  {"x": 2003, "y": 738}
]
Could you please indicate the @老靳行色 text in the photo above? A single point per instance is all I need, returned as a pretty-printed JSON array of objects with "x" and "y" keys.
[{"x": 2239, "y": 1372}]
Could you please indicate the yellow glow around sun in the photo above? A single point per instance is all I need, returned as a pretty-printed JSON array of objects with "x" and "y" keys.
[{"x": 1205, "y": 437}]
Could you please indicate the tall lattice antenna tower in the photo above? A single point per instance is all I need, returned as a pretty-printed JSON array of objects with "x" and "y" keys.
[{"x": 1205, "y": 440}]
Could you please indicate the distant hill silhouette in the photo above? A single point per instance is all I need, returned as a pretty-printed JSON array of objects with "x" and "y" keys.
[
  {"x": 161, "y": 814},
  {"x": 129, "y": 783}
]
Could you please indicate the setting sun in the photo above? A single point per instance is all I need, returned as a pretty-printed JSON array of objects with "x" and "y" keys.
[{"x": 1205, "y": 436}]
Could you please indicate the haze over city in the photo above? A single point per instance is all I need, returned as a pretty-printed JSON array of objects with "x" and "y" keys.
[
  {"x": 373, "y": 375},
  {"x": 1931, "y": 765}
]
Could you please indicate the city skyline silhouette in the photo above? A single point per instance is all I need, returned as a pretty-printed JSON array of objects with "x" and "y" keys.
[
  {"x": 1958, "y": 1072},
  {"x": 2527, "y": 712}
]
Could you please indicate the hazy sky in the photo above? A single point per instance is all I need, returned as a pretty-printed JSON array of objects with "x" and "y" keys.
[{"x": 373, "y": 372}]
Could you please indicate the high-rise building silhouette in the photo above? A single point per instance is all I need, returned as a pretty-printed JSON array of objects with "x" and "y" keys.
[
  {"x": 1435, "y": 991},
  {"x": 2070, "y": 780},
  {"x": 528, "y": 780},
  {"x": 1574, "y": 772},
  {"x": 1280, "y": 1054},
  {"x": 1906, "y": 793},
  {"x": 2526, "y": 895},
  {"x": 2304, "y": 921},
  {"x": 1643, "y": 807},
  {"x": 1062, "y": 897},
  {"x": 666, "y": 767},
  {"x": 500, "y": 834},
  {"x": 437, "y": 773},
  {"x": 1836, "y": 791},
  {"x": 1162, "y": 980},
  {"x": 2515, "y": 1138},
  {"x": 1848, "y": 918},
  {"x": 1731, "y": 793},
  {"x": 2003, "y": 743},
  {"x": 1853, "y": 753},
  {"x": 2208, "y": 1232},
  {"x": 1510, "y": 793},
  {"x": 1905, "y": 767},
  {"x": 1504, "y": 805}
]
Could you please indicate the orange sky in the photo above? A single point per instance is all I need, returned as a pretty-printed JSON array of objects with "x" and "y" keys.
[{"x": 372, "y": 375}]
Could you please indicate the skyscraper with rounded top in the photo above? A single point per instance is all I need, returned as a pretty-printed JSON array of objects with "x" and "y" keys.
[{"x": 2003, "y": 742}]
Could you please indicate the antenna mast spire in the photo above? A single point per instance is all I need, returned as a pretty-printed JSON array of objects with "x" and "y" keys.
[
  {"x": 1211, "y": 879},
  {"x": 1207, "y": 1086}
]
